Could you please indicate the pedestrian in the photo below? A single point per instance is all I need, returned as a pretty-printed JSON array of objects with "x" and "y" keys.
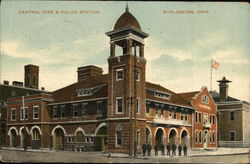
[
  {"x": 162, "y": 149},
  {"x": 173, "y": 149},
  {"x": 168, "y": 149},
  {"x": 149, "y": 149},
  {"x": 180, "y": 149},
  {"x": 144, "y": 148},
  {"x": 156, "y": 150},
  {"x": 185, "y": 150}
]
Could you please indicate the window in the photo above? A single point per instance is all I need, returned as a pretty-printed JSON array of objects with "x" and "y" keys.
[
  {"x": 196, "y": 117},
  {"x": 175, "y": 115},
  {"x": 119, "y": 74},
  {"x": 119, "y": 105},
  {"x": 35, "y": 112},
  {"x": 196, "y": 136},
  {"x": 63, "y": 111},
  {"x": 200, "y": 137},
  {"x": 137, "y": 75},
  {"x": 232, "y": 136},
  {"x": 213, "y": 119},
  {"x": 79, "y": 137},
  {"x": 35, "y": 134},
  {"x": 118, "y": 136},
  {"x": 99, "y": 108},
  {"x": 24, "y": 113},
  {"x": 181, "y": 116},
  {"x": 138, "y": 139},
  {"x": 138, "y": 105},
  {"x": 204, "y": 99},
  {"x": 75, "y": 110},
  {"x": 210, "y": 119},
  {"x": 213, "y": 137},
  {"x": 84, "y": 109},
  {"x": 232, "y": 116},
  {"x": 13, "y": 114},
  {"x": 186, "y": 117},
  {"x": 147, "y": 109},
  {"x": 169, "y": 114},
  {"x": 199, "y": 117},
  {"x": 55, "y": 110},
  {"x": 70, "y": 139}
]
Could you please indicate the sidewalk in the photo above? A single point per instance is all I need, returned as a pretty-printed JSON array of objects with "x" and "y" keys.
[{"x": 191, "y": 153}]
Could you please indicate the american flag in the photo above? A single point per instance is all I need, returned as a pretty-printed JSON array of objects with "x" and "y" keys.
[{"x": 215, "y": 64}]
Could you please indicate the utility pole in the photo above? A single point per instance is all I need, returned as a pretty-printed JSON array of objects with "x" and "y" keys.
[
  {"x": 135, "y": 101},
  {"x": 24, "y": 135}
]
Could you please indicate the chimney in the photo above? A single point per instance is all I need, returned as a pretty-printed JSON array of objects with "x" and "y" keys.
[
  {"x": 223, "y": 84},
  {"x": 31, "y": 76},
  {"x": 6, "y": 82},
  {"x": 87, "y": 71},
  {"x": 17, "y": 83}
]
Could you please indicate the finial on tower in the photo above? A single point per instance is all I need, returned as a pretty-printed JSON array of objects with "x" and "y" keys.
[{"x": 127, "y": 10}]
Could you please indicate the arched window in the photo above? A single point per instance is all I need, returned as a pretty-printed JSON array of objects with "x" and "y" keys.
[
  {"x": 79, "y": 137},
  {"x": 36, "y": 134}
]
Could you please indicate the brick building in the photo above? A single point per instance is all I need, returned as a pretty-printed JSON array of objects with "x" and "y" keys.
[
  {"x": 113, "y": 112},
  {"x": 233, "y": 122},
  {"x": 17, "y": 89}
]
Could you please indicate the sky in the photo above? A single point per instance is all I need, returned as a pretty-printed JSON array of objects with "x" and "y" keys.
[{"x": 183, "y": 39}]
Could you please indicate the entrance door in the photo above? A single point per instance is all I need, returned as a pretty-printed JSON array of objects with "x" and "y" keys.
[
  {"x": 159, "y": 138},
  {"x": 59, "y": 139},
  {"x": 172, "y": 137},
  {"x": 184, "y": 138},
  {"x": 13, "y": 138},
  {"x": 101, "y": 139}
]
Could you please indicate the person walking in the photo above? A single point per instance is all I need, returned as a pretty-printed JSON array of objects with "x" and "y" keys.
[
  {"x": 162, "y": 149},
  {"x": 149, "y": 149},
  {"x": 173, "y": 149},
  {"x": 180, "y": 149},
  {"x": 156, "y": 150},
  {"x": 144, "y": 149},
  {"x": 185, "y": 150}
]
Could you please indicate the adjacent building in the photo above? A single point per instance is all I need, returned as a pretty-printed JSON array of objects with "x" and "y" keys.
[
  {"x": 114, "y": 112},
  {"x": 15, "y": 90},
  {"x": 233, "y": 118}
]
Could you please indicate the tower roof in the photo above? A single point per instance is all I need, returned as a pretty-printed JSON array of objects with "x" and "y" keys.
[
  {"x": 126, "y": 19},
  {"x": 224, "y": 80}
]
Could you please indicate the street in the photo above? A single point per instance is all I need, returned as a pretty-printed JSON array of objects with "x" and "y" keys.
[{"x": 97, "y": 157}]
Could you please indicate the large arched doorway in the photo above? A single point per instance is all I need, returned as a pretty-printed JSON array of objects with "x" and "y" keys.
[
  {"x": 159, "y": 137},
  {"x": 36, "y": 139},
  {"x": 13, "y": 138},
  {"x": 172, "y": 137},
  {"x": 184, "y": 138},
  {"x": 148, "y": 136},
  {"x": 59, "y": 139},
  {"x": 101, "y": 139},
  {"x": 24, "y": 137}
]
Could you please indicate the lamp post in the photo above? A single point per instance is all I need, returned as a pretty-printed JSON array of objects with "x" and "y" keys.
[{"x": 24, "y": 135}]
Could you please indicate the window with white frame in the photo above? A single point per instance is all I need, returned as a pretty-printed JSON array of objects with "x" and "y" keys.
[
  {"x": 24, "y": 113},
  {"x": 119, "y": 105},
  {"x": 75, "y": 110},
  {"x": 119, "y": 74},
  {"x": 186, "y": 117},
  {"x": 138, "y": 104},
  {"x": 99, "y": 108},
  {"x": 196, "y": 137},
  {"x": 63, "y": 111},
  {"x": 175, "y": 115},
  {"x": 13, "y": 114},
  {"x": 232, "y": 136},
  {"x": 55, "y": 112},
  {"x": 118, "y": 136},
  {"x": 204, "y": 99},
  {"x": 200, "y": 137},
  {"x": 35, "y": 112},
  {"x": 84, "y": 109}
]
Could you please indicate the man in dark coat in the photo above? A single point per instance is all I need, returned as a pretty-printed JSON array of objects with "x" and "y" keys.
[
  {"x": 162, "y": 149},
  {"x": 173, "y": 149},
  {"x": 149, "y": 149},
  {"x": 144, "y": 149},
  {"x": 185, "y": 150},
  {"x": 180, "y": 149},
  {"x": 156, "y": 150},
  {"x": 168, "y": 149}
]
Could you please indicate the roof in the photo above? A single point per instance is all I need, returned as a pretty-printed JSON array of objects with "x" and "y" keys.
[
  {"x": 126, "y": 19},
  {"x": 70, "y": 93},
  {"x": 216, "y": 97},
  {"x": 175, "y": 98},
  {"x": 188, "y": 95}
]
